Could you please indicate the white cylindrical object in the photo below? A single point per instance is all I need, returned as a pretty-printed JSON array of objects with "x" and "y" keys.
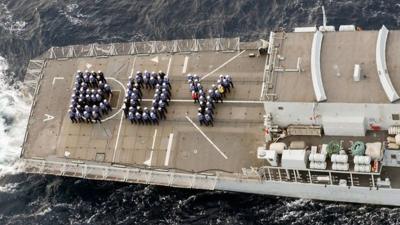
[
  {"x": 317, "y": 157},
  {"x": 393, "y": 146},
  {"x": 340, "y": 166},
  {"x": 318, "y": 165},
  {"x": 347, "y": 28},
  {"x": 362, "y": 168},
  {"x": 278, "y": 147},
  {"x": 359, "y": 159},
  {"x": 335, "y": 158},
  {"x": 391, "y": 139},
  {"x": 397, "y": 138}
]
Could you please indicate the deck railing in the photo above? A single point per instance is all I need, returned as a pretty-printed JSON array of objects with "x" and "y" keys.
[{"x": 120, "y": 173}]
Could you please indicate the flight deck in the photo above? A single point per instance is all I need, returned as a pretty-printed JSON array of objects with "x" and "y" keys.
[
  {"x": 179, "y": 142},
  {"x": 313, "y": 114}
]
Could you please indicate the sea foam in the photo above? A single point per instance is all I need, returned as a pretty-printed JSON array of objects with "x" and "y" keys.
[{"x": 14, "y": 113}]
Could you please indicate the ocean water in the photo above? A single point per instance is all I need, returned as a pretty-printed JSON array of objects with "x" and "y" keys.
[{"x": 29, "y": 27}]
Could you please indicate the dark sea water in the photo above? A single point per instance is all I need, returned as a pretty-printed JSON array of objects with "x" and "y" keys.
[{"x": 29, "y": 27}]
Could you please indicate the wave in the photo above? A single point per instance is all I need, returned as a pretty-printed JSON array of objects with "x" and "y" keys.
[
  {"x": 8, "y": 22},
  {"x": 14, "y": 113},
  {"x": 72, "y": 13}
]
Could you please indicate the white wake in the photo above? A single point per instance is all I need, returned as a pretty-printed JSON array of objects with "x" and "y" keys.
[{"x": 14, "y": 113}]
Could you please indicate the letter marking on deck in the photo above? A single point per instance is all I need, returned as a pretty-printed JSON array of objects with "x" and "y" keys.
[
  {"x": 169, "y": 147},
  {"x": 57, "y": 78},
  {"x": 49, "y": 117},
  {"x": 205, "y": 136},
  {"x": 185, "y": 64}
]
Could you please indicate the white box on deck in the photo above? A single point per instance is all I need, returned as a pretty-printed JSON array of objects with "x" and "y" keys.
[
  {"x": 347, "y": 28},
  {"x": 357, "y": 72},
  {"x": 344, "y": 125},
  {"x": 327, "y": 28},
  {"x": 294, "y": 159},
  {"x": 305, "y": 29}
]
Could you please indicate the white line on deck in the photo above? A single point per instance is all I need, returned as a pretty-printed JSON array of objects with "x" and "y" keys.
[
  {"x": 133, "y": 65},
  {"x": 169, "y": 64},
  {"x": 154, "y": 139},
  {"x": 205, "y": 136},
  {"x": 118, "y": 134},
  {"x": 222, "y": 65},
  {"x": 225, "y": 101},
  {"x": 169, "y": 147},
  {"x": 262, "y": 90},
  {"x": 185, "y": 64},
  {"x": 57, "y": 78},
  {"x": 148, "y": 162}
]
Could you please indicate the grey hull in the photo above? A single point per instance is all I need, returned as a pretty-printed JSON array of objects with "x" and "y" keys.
[{"x": 383, "y": 196}]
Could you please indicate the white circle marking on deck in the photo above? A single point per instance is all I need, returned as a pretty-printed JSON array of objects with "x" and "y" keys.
[{"x": 123, "y": 87}]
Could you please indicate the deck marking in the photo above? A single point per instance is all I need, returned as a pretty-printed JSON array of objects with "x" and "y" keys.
[
  {"x": 155, "y": 59},
  {"x": 148, "y": 162},
  {"x": 118, "y": 134},
  {"x": 57, "y": 78},
  {"x": 262, "y": 90},
  {"x": 169, "y": 147},
  {"x": 119, "y": 110},
  {"x": 133, "y": 65},
  {"x": 169, "y": 64},
  {"x": 205, "y": 136},
  {"x": 222, "y": 65},
  {"x": 185, "y": 64},
  {"x": 225, "y": 101},
  {"x": 154, "y": 139},
  {"x": 48, "y": 117},
  {"x": 122, "y": 114}
]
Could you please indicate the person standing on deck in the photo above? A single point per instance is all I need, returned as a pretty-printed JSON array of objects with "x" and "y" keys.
[
  {"x": 195, "y": 97},
  {"x": 201, "y": 119},
  {"x": 72, "y": 116}
]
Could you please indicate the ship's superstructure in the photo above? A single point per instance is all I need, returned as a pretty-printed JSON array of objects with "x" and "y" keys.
[{"x": 314, "y": 114}]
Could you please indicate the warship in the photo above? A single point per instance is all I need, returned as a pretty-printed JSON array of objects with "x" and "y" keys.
[{"x": 314, "y": 113}]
